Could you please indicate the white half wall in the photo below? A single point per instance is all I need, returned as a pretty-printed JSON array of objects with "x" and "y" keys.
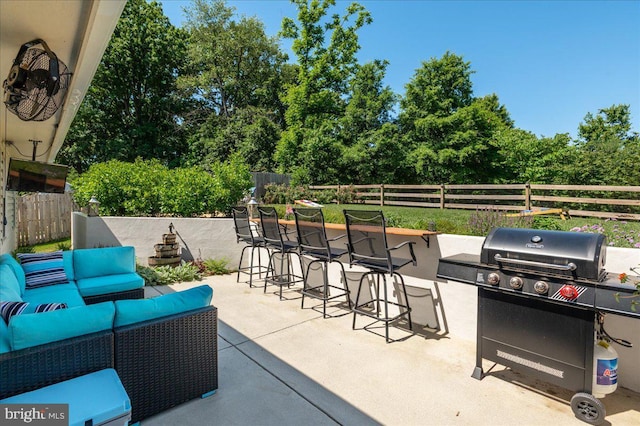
[{"x": 215, "y": 238}]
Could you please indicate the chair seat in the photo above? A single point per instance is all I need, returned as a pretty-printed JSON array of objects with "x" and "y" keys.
[
  {"x": 256, "y": 240},
  {"x": 381, "y": 266},
  {"x": 323, "y": 255},
  {"x": 285, "y": 247}
]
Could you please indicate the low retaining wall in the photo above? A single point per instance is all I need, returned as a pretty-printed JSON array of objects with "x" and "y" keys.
[
  {"x": 198, "y": 238},
  {"x": 215, "y": 238}
]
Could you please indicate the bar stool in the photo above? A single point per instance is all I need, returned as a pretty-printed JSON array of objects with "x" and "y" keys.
[
  {"x": 368, "y": 248},
  {"x": 245, "y": 234},
  {"x": 278, "y": 244},
  {"x": 313, "y": 243}
]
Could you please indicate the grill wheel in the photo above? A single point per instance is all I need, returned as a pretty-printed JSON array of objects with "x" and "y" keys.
[{"x": 588, "y": 408}]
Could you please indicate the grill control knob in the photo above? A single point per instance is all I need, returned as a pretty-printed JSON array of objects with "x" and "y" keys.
[
  {"x": 516, "y": 283},
  {"x": 493, "y": 278},
  {"x": 541, "y": 287},
  {"x": 569, "y": 292}
]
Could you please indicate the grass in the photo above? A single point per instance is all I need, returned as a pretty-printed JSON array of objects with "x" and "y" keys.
[{"x": 465, "y": 222}]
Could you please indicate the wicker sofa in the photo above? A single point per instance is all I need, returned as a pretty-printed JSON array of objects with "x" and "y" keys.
[{"x": 164, "y": 349}]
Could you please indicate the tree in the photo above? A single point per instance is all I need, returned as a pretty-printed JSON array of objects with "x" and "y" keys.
[
  {"x": 326, "y": 52},
  {"x": 237, "y": 72},
  {"x": 132, "y": 108},
  {"x": 607, "y": 149},
  {"x": 450, "y": 134},
  {"x": 527, "y": 158}
]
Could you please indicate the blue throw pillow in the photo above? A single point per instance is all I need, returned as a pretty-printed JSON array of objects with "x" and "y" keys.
[
  {"x": 10, "y": 309},
  {"x": 43, "y": 269}
]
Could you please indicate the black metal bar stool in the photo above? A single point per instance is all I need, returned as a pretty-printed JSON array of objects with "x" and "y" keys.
[
  {"x": 368, "y": 248},
  {"x": 279, "y": 244},
  {"x": 246, "y": 235},
  {"x": 313, "y": 242}
]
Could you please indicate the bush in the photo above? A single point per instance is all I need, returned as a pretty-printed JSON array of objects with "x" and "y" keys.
[
  {"x": 163, "y": 275},
  {"x": 216, "y": 266},
  {"x": 147, "y": 188},
  {"x": 482, "y": 221}
]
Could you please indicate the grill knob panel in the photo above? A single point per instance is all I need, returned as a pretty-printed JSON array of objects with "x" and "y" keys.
[
  {"x": 516, "y": 283},
  {"x": 541, "y": 287},
  {"x": 493, "y": 278}
]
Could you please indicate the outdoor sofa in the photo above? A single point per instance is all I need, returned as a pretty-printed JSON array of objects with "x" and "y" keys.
[{"x": 164, "y": 349}]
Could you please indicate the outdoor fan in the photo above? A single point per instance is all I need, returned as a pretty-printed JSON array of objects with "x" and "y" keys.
[{"x": 37, "y": 83}]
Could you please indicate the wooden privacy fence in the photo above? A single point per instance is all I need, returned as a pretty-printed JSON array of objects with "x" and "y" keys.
[
  {"x": 621, "y": 202},
  {"x": 43, "y": 218}
]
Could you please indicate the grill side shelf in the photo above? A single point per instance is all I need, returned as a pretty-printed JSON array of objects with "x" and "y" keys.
[{"x": 460, "y": 268}]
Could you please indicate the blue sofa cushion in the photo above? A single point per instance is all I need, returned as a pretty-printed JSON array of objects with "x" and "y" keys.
[
  {"x": 100, "y": 262},
  {"x": 138, "y": 310},
  {"x": 9, "y": 286},
  {"x": 10, "y": 309},
  {"x": 5, "y": 344},
  {"x": 36, "y": 329},
  {"x": 7, "y": 259},
  {"x": 65, "y": 293},
  {"x": 42, "y": 269},
  {"x": 109, "y": 284},
  {"x": 67, "y": 260}
]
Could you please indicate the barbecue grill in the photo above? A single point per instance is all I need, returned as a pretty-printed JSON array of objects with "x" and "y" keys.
[{"x": 539, "y": 293}]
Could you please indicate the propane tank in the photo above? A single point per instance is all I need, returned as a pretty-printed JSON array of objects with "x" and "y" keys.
[{"x": 605, "y": 369}]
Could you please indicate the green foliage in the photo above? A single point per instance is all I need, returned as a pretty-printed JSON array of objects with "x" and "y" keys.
[
  {"x": 132, "y": 108},
  {"x": 147, "y": 188},
  {"x": 163, "y": 275},
  {"x": 238, "y": 80},
  {"x": 216, "y": 266},
  {"x": 326, "y": 49},
  {"x": 482, "y": 221},
  {"x": 63, "y": 245},
  {"x": 546, "y": 222},
  {"x": 23, "y": 249}
]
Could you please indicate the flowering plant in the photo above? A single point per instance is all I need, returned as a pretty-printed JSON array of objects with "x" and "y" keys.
[
  {"x": 624, "y": 278},
  {"x": 288, "y": 213}
]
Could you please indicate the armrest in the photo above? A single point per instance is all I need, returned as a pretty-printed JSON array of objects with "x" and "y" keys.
[{"x": 411, "y": 244}]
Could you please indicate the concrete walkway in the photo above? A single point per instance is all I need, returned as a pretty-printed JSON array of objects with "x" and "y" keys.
[{"x": 283, "y": 365}]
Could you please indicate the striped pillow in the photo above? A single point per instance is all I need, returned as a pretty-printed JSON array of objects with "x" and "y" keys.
[
  {"x": 43, "y": 269},
  {"x": 9, "y": 309}
]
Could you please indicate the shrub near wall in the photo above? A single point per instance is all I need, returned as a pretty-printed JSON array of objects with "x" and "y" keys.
[{"x": 147, "y": 188}]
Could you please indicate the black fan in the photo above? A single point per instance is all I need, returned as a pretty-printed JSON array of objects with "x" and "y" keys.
[{"x": 37, "y": 83}]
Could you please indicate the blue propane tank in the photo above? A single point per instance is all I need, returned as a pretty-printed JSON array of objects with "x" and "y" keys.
[{"x": 605, "y": 369}]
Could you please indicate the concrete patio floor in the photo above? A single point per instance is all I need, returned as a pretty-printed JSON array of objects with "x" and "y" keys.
[{"x": 283, "y": 365}]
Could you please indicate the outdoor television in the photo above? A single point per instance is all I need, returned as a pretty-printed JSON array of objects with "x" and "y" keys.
[{"x": 34, "y": 176}]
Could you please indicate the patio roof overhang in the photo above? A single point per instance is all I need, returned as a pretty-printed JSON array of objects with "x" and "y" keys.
[{"x": 78, "y": 32}]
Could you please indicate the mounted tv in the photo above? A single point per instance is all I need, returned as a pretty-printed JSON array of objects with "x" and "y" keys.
[{"x": 34, "y": 176}]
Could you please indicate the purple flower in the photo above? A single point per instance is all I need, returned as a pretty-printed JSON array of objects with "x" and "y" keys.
[
  {"x": 612, "y": 243},
  {"x": 637, "y": 245},
  {"x": 576, "y": 229}
]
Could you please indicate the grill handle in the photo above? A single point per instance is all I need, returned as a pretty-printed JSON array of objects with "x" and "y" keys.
[{"x": 568, "y": 267}]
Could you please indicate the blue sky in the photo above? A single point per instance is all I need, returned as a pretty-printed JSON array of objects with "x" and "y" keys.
[{"x": 549, "y": 62}]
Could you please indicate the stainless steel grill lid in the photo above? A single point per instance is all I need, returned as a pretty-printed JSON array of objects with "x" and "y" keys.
[{"x": 576, "y": 255}]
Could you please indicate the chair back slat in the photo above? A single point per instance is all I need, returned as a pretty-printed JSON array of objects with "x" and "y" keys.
[
  {"x": 270, "y": 227},
  {"x": 367, "y": 238},
  {"x": 312, "y": 236},
  {"x": 242, "y": 224}
]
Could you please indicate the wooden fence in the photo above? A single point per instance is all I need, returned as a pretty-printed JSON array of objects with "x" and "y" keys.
[
  {"x": 620, "y": 202},
  {"x": 43, "y": 218}
]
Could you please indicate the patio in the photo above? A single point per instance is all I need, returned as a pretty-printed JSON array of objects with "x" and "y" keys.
[{"x": 281, "y": 365}]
